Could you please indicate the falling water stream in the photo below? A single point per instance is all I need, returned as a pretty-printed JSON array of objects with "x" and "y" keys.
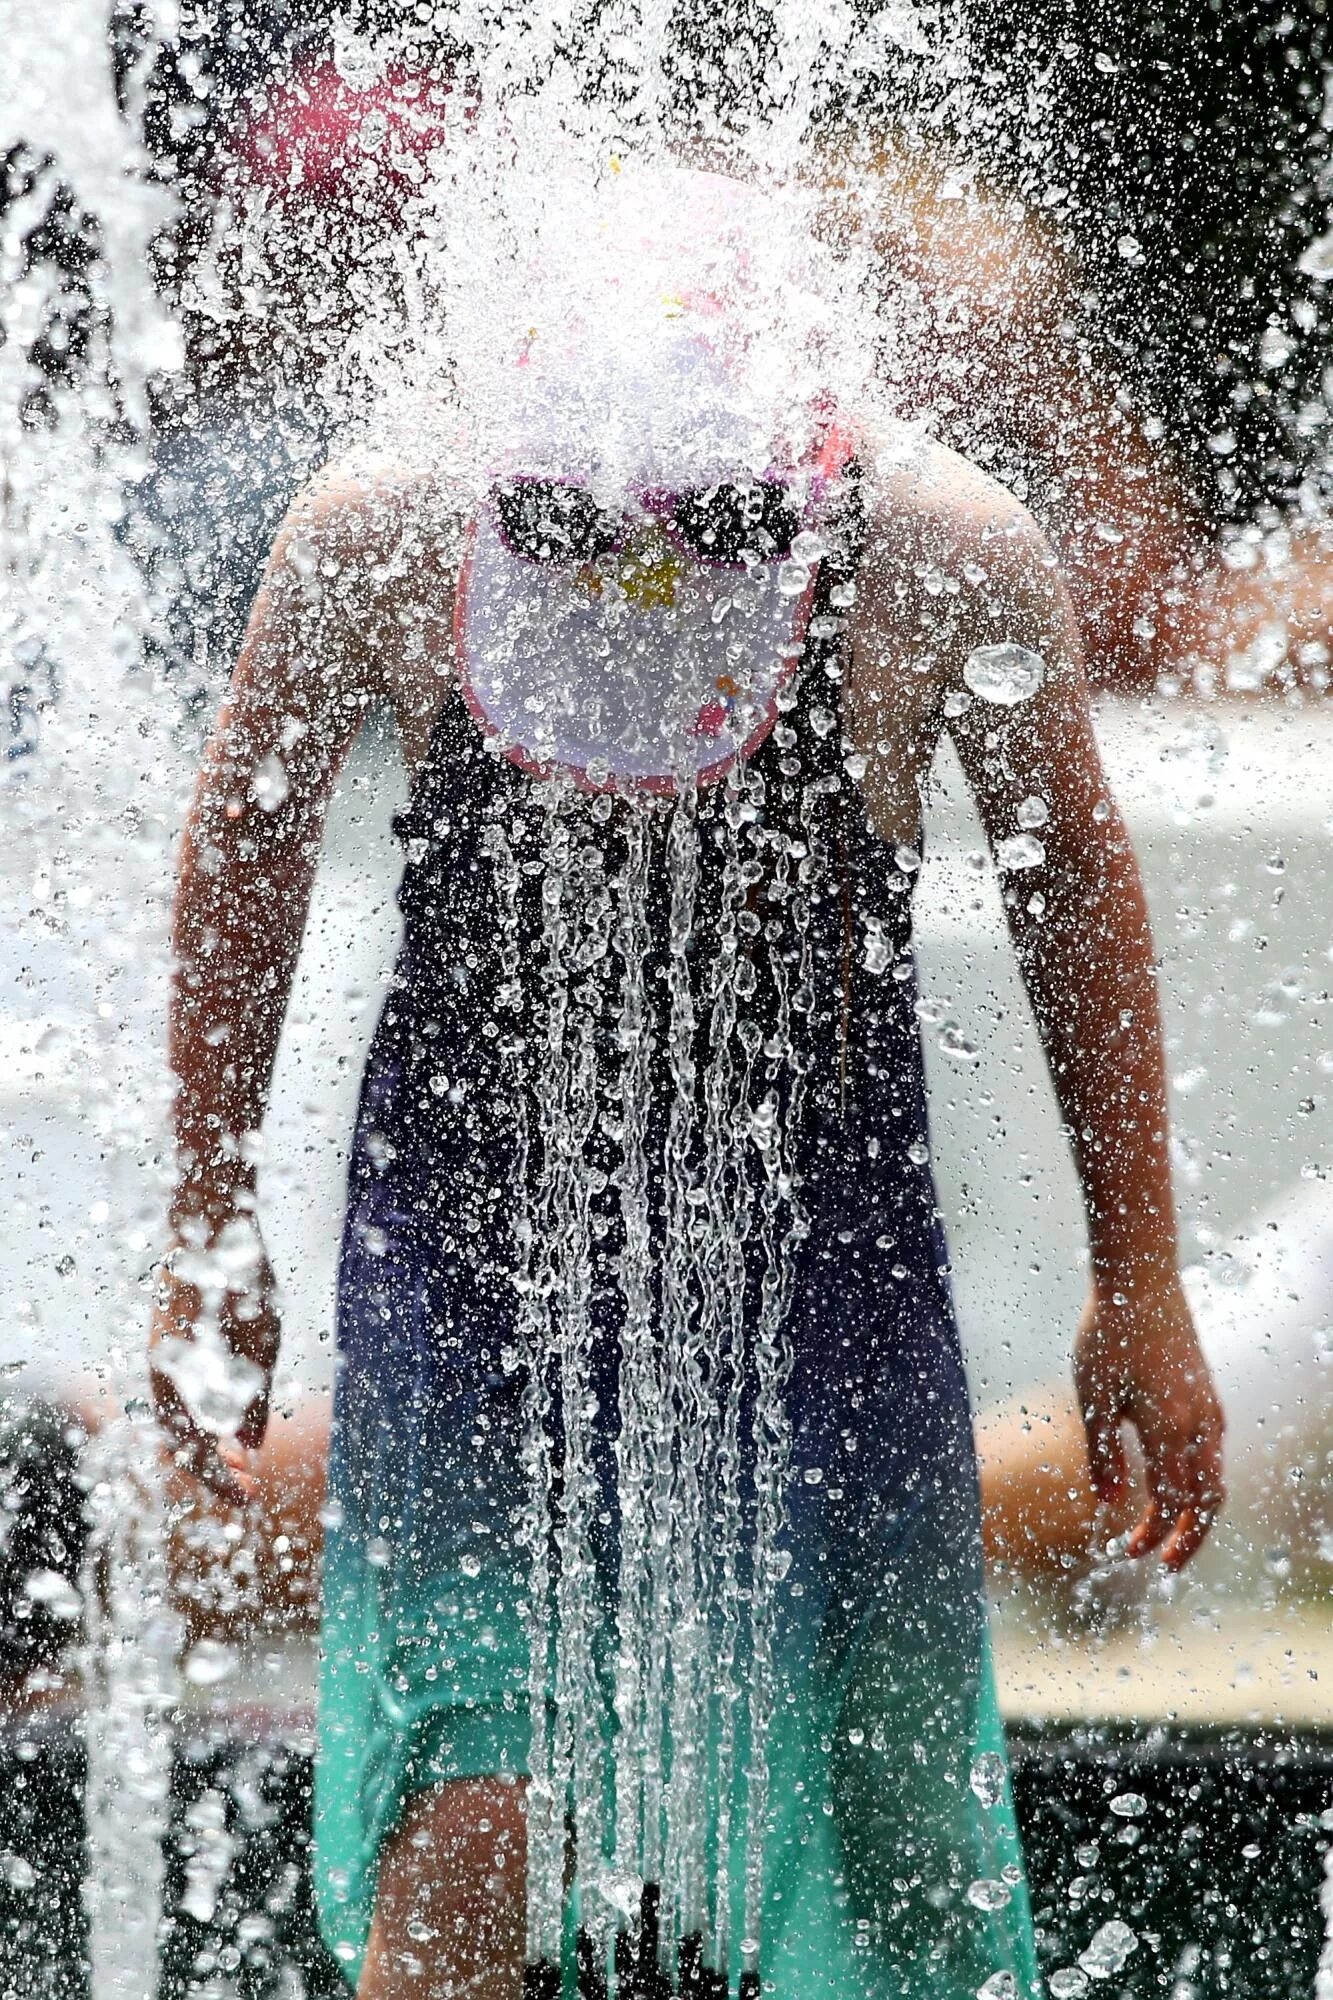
[
  {"x": 707, "y": 1199},
  {"x": 659, "y": 1035}
]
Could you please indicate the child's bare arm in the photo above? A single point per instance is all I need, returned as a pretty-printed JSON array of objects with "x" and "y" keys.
[
  {"x": 1076, "y": 910},
  {"x": 306, "y": 674}
]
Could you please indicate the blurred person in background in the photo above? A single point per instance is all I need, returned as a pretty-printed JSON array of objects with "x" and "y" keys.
[{"x": 301, "y": 188}]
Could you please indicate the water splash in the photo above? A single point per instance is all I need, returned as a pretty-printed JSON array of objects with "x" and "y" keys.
[{"x": 88, "y": 828}]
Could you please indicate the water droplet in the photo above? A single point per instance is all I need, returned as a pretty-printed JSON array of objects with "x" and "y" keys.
[
  {"x": 1033, "y": 811},
  {"x": 18, "y": 1872},
  {"x": 1006, "y": 674},
  {"x": 54, "y": 1592},
  {"x": 953, "y": 1043},
  {"x": 1316, "y": 260},
  {"x": 1000, "y": 1986},
  {"x": 918, "y": 1153},
  {"x": 216, "y": 1386},
  {"x": 988, "y": 1894},
  {"x": 1274, "y": 347},
  {"x": 208, "y": 1662},
  {"x": 1068, "y": 1983},
  {"x": 879, "y": 952},
  {"x": 1109, "y": 1950},
  {"x": 1129, "y": 1805},
  {"x": 1020, "y": 850},
  {"x": 988, "y": 1776},
  {"x": 269, "y": 784}
]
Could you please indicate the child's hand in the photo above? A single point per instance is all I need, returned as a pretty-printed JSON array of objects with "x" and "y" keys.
[
  {"x": 213, "y": 1360},
  {"x": 1137, "y": 1360}
]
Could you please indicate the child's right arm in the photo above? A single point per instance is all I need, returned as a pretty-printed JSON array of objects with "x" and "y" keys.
[{"x": 307, "y": 672}]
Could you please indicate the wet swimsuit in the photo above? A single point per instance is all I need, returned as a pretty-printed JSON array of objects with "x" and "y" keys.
[{"x": 891, "y": 1866}]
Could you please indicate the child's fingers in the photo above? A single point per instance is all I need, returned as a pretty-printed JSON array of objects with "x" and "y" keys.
[
  {"x": 1191, "y": 1531},
  {"x": 1186, "y": 1487},
  {"x": 1151, "y": 1530},
  {"x": 1203, "y": 1471}
]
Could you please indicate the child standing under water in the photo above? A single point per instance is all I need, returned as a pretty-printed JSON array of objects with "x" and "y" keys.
[{"x": 642, "y": 1155}]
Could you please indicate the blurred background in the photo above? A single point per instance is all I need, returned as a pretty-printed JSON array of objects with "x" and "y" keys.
[{"x": 1112, "y": 239}]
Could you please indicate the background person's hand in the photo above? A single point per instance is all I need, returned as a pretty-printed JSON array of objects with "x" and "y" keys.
[
  {"x": 214, "y": 1346},
  {"x": 1137, "y": 1360}
]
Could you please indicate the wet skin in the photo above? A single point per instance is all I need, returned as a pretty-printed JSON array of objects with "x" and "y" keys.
[{"x": 355, "y": 610}]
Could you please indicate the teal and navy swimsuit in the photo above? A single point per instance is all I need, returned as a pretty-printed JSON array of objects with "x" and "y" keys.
[{"x": 891, "y": 1863}]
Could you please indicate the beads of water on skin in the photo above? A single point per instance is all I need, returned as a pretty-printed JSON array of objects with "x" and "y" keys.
[{"x": 1006, "y": 674}]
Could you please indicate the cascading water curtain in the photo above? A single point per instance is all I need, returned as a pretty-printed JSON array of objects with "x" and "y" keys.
[
  {"x": 658, "y": 1220},
  {"x": 89, "y": 793}
]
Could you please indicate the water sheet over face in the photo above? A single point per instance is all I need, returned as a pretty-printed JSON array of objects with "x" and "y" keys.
[{"x": 638, "y": 577}]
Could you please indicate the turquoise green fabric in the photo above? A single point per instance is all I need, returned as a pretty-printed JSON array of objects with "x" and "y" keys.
[
  {"x": 880, "y": 1844},
  {"x": 892, "y": 1868}
]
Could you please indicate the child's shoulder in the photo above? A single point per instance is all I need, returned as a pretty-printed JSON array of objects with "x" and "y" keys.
[
  {"x": 366, "y": 509},
  {"x": 920, "y": 494},
  {"x": 941, "y": 536}
]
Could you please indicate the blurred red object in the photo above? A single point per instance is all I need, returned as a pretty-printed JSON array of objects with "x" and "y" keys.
[{"x": 310, "y": 140}]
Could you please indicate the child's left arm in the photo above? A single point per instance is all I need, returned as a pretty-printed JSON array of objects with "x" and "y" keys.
[{"x": 1076, "y": 911}]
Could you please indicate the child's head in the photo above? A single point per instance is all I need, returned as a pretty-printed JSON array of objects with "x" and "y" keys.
[{"x": 641, "y": 563}]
